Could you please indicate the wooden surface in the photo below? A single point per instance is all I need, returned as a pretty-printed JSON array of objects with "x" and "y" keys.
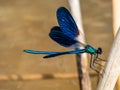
[
  {"x": 116, "y": 24},
  {"x": 81, "y": 60},
  {"x": 112, "y": 68}
]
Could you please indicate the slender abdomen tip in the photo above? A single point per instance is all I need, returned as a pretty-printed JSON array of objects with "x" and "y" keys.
[{"x": 26, "y": 50}]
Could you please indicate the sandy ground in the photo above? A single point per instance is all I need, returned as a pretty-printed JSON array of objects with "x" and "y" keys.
[{"x": 25, "y": 24}]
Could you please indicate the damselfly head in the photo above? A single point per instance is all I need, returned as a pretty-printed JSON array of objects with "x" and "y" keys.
[{"x": 99, "y": 51}]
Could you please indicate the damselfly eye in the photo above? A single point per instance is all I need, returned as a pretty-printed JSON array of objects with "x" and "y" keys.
[{"x": 99, "y": 51}]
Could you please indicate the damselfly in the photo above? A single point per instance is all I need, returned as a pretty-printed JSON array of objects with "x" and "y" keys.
[{"x": 67, "y": 35}]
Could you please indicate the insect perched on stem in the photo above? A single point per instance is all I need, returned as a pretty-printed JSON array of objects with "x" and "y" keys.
[{"x": 67, "y": 35}]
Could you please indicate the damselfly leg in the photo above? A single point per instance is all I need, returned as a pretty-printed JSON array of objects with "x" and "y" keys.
[
  {"x": 93, "y": 61},
  {"x": 96, "y": 59},
  {"x": 92, "y": 64}
]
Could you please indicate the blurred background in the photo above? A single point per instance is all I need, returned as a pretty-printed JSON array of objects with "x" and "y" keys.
[{"x": 25, "y": 24}]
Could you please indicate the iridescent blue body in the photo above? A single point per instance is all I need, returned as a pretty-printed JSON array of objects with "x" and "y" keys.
[
  {"x": 88, "y": 49},
  {"x": 66, "y": 34}
]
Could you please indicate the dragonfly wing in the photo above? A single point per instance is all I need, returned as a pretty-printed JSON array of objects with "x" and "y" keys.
[
  {"x": 67, "y": 23},
  {"x": 57, "y": 35}
]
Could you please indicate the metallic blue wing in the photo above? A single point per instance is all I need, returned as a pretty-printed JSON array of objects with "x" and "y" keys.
[
  {"x": 67, "y": 23},
  {"x": 57, "y": 35}
]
